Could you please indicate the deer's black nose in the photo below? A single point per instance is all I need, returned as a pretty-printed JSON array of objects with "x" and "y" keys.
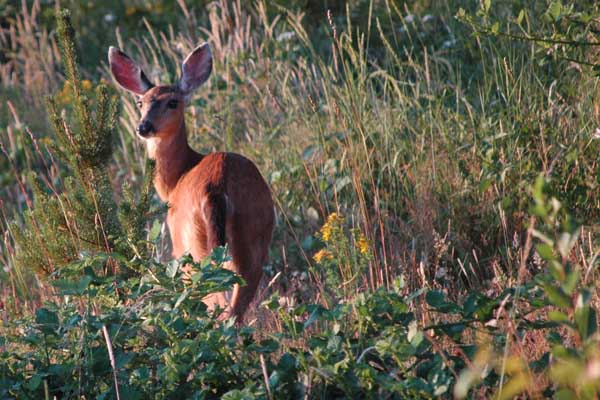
[{"x": 145, "y": 128}]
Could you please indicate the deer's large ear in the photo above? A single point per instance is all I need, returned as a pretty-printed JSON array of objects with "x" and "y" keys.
[
  {"x": 127, "y": 73},
  {"x": 195, "y": 70}
]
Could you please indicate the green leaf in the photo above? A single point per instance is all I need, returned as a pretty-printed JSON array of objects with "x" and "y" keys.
[
  {"x": 554, "y": 337},
  {"x": 47, "y": 320},
  {"x": 545, "y": 251},
  {"x": 34, "y": 382},
  {"x": 543, "y": 237},
  {"x": 287, "y": 362},
  {"x": 181, "y": 298},
  {"x": 155, "y": 231},
  {"x": 565, "y": 394},
  {"x": 565, "y": 242},
  {"x": 478, "y": 305},
  {"x": 78, "y": 288},
  {"x": 557, "y": 296},
  {"x": 308, "y": 243},
  {"x": 172, "y": 268},
  {"x": 484, "y": 185},
  {"x": 570, "y": 282},
  {"x": 558, "y": 316},
  {"x": 596, "y": 70},
  {"x": 220, "y": 255},
  {"x": 196, "y": 277},
  {"x": 237, "y": 394},
  {"x": 538, "y": 188},
  {"x": 541, "y": 364},
  {"x": 341, "y": 183},
  {"x": 557, "y": 270},
  {"x": 414, "y": 336},
  {"x": 495, "y": 28},
  {"x": 555, "y": 10},
  {"x": 585, "y": 315},
  {"x": 124, "y": 359},
  {"x": 436, "y": 300},
  {"x": 314, "y": 316},
  {"x": 264, "y": 346},
  {"x": 521, "y": 16},
  {"x": 130, "y": 393},
  {"x": 487, "y": 4},
  {"x": 272, "y": 303}
]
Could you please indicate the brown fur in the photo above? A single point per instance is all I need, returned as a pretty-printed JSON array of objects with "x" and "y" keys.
[{"x": 205, "y": 192}]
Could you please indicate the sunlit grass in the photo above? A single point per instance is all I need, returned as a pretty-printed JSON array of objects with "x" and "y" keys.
[{"x": 400, "y": 150}]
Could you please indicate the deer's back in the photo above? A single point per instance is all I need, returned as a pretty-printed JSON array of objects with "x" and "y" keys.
[
  {"x": 228, "y": 173},
  {"x": 249, "y": 204}
]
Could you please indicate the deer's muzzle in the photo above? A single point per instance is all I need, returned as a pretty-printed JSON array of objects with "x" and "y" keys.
[{"x": 145, "y": 128}]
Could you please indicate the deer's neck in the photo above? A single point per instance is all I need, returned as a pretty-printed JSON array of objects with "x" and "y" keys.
[{"x": 174, "y": 157}]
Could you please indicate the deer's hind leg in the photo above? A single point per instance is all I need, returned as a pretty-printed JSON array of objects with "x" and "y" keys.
[
  {"x": 249, "y": 253},
  {"x": 214, "y": 215}
]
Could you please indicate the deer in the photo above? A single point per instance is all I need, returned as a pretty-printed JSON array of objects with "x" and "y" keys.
[{"x": 213, "y": 199}]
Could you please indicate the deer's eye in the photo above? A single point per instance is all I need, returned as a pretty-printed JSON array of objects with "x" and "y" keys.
[
  {"x": 172, "y": 103},
  {"x": 138, "y": 104}
]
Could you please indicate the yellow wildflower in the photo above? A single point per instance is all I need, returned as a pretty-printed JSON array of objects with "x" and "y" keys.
[
  {"x": 334, "y": 218},
  {"x": 323, "y": 254},
  {"x": 86, "y": 84},
  {"x": 333, "y": 221},
  {"x": 362, "y": 244},
  {"x": 326, "y": 232}
]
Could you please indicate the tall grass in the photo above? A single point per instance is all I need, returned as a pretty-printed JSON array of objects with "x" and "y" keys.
[
  {"x": 423, "y": 137},
  {"x": 401, "y": 150},
  {"x": 32, "y": 55}
]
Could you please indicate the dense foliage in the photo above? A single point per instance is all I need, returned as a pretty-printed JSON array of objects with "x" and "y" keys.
[{"x": 435, "y": 170}]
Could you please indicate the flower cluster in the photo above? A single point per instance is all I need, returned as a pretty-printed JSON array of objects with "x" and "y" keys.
[
  {"x": 333, "y": 224},
  {"x": 362, "y": 244},
  {"x": 322, "y": 255},
  {"x": 345, "y": 256},
  {"x": 332, "y": 234}
]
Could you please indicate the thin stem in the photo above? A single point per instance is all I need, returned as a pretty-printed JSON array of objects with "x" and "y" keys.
[{"x": 111, "y": 356}]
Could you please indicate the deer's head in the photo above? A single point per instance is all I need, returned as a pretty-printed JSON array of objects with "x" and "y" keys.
[{"x": 161, "y": 107}]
